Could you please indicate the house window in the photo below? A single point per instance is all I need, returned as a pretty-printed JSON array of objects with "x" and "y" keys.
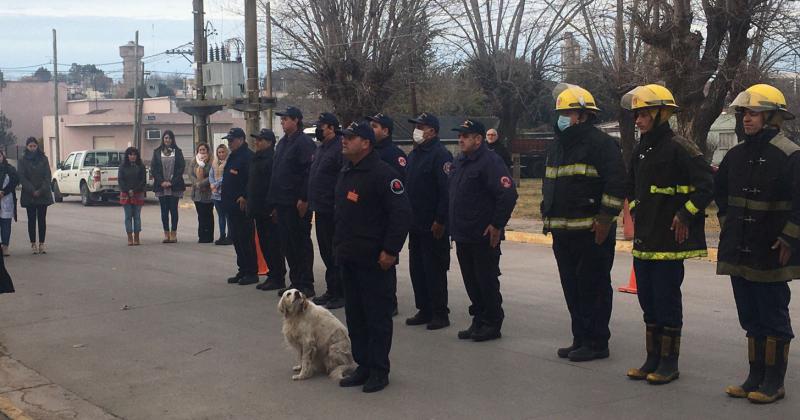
[
  {"x": 726, "y": 141},
  {"x": 153, "y": 134}
]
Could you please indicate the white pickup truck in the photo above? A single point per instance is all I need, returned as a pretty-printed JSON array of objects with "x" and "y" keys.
[{"x": 92, "y": 174}]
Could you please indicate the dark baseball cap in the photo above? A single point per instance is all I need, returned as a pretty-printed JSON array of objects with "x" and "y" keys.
[
  {"x": 471, "y": 126},
  {"x": 265, "y": 134},
  {"x": 291, "y": 112},
  {"x": 426, "y": 119},
  {"x": 361, "y": 129},
  {"x": 383, "y": 120},
  {"x": 327, "y": 118},
  {"x": 235, "y": 133}
]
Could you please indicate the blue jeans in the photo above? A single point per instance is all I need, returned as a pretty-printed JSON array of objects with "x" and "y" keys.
[
  {"x": 5, "y": 231},
  {"x": 169, "y": 207},
  {"x": 133, "y": 220},
  {"x": 222, "y": 216}
]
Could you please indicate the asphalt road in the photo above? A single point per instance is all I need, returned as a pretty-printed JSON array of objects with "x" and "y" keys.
[{"x": 154, "y": 332}]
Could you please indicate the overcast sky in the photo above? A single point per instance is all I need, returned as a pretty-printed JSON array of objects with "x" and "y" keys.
[{"x": 91, "y": 31}]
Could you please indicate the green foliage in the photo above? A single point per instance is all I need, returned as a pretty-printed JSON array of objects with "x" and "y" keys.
[{"x": 7, "y": 138}]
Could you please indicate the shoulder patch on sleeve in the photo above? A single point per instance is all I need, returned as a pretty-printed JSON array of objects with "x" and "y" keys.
[
  {"x": 506, "y": 182},
  {"x": 401, "y": 160},
  {"x": 397, "y": 186},
  {"x": 687, "y": 145},
  {"x": 447, "y": 167},
  {"x": 784, "y": 144}
]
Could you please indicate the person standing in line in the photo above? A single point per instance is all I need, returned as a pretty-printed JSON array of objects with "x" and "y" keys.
[
  {"x": 132, "y": 179},
  {"x": 35, "y": 176},
  {"x": 199, "y": 170},
  {"x": 496, "y": 145},
  {"x": 167, "y": 167},
  {"x": 215, "y": 177},
  {"x": 234, "y": 197},
  {"x": 8, "y": 201}
]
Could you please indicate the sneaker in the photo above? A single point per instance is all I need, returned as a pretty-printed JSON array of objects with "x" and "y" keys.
[
  {"x": 420, "y": 318},
  {"x": 42, "y": 249},
  {"x": 248, "y": 279},
  {"x": 5, "y": 251},
  {"x": 34, "y": 248},
  {"x": 335, "y": 303}
]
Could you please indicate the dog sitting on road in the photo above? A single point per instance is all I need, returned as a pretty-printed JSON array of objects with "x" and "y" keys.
[{"x": 320, "y": 339}]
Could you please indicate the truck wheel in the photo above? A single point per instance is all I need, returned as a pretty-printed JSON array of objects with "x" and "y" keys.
[
  {"x": 57, "y": 197},
  {"x": 86, "y": 196}
]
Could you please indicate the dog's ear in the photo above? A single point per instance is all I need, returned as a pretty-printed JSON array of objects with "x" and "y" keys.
[
  {"x": 282, "y": 306},
  {"x": 304, "y": 305}
]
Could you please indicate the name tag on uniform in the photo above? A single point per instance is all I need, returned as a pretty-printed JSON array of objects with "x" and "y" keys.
[
  {"x": 234, "y": 172},
  {"x": 352, "y": 196}
]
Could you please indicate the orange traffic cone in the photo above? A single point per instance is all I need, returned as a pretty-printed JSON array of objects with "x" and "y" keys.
[
  {"x": 631, "y": 284},
  {"x": 262, "y": 264}
]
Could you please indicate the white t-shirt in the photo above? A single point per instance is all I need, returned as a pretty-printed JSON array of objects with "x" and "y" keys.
[{"x": 7, "y": 203}]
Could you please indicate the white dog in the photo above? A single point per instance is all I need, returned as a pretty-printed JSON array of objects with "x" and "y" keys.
[{"x": 320, "y": 339}]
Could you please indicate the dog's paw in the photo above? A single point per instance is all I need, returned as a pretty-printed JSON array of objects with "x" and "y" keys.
[
  {"x": 297, "y": 368},
  {"x": 300, "y": 376}
]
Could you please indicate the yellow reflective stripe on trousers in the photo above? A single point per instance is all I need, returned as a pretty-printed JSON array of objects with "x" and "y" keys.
[
  {"x": 691, "y": 207},
  {"x": 569, "y": 224},
  {"x": 759, "y": 205},
  {"x": 791, "y": 230},
  {"x": 612, "y": 202},
  {"x": 571, "y": 170},
  {"x": 678, "y": 189},
  {"x": 665, "y": 255}
]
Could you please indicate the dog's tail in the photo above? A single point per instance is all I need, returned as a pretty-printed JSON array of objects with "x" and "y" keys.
[{"x": 339, "y": 372}]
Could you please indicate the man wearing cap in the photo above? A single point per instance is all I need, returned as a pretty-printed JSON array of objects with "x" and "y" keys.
[
  {"x": 325, "y": 168},
  {"x": 372, "y": 220},
  {"x": 288, "y": 193},
  {"x": 482, "y": 197},
  {"x": 428, "y": 240},
  {"x": 261, "y": 211},
  {"x": 582, "y": 194},
  {"x": 383, "y": 126},
  {"x": 234, "y": 196}
]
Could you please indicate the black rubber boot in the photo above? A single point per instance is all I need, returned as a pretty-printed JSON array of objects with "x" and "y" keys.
[
  {"x": 653, "y": 345},
  {"x": 755, "y": 354},
  {"x": 776, "y": 355},
  {"x": 563, "y": 352},
  {"x": 667, "y": 370}
]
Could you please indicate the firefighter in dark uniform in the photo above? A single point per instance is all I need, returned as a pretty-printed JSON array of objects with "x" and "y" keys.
[
  {"x": 260, "y": 210},
  {"x": 383, "y": 126},
  {"x": 234, "y": 197},
  {"x": 372, "y": 220},
  {"x": 757, "y": 189},
  {"x": 481, "y": 199},
  {"x": 583, "y": 192},
  {"x": 288, "y": 194},
  {"x": 325, "y": 168},
  {"x": 428, "y": 240},
  {"x": 669, "y": 185}
]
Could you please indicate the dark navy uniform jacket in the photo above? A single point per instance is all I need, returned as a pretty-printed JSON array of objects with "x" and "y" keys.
[
  {"x": 426, "y": 181},
  {"x": 482, "y": 193},
  {"x": 323, "y": 174},
  {"x": 237, "y": 171},
  {"x": 393, "y": 155},
  {"x": 372, "y": 212},
  {"x": 290, "y": 171}
]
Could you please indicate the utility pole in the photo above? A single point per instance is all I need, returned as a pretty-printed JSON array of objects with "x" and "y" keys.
[
  {"x": 140, "y": 106},
  {"x": 57, "y": 151},
  {"x": 200, "y": 120},
  {"x": 135, "y": 138},
  {"x": 268, "y": 81},
  {"x": 252, "y": 115}
]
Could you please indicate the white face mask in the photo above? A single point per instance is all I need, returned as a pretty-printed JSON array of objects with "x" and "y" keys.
[{"x": 418, "y": 136}]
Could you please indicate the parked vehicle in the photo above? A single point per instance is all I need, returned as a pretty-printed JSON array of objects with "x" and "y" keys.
[{"x": 92, "y": 174}]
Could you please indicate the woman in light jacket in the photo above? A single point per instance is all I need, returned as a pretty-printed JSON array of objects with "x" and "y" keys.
[
  {"x": 199, "y": 169},
  {"x": 132, "y": 183},
  {"x": 8, "y": 200},
  {"x": 35, "y": 176},
  {"x": 215, "y": 179},
  {"x": 167, "y": 167}
]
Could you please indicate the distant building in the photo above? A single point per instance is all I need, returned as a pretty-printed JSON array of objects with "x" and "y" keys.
[
  {"x": 25, "y": 103},
  {"x": 129, "y": 55}
]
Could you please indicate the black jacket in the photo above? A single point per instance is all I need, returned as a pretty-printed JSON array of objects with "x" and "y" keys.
[
  {"x": 668, "y": 177},
  {"x": 500, "y": 148},
  {"x": 290, "y": 171},
  {"x": 757, "y": 190},
  {"x": 237, "y": 171},
  {"x": 34, "y": 175},
  {"x": 426, "y": 181},
  {"x": 132, "y": 178},
  {"x": 372, "y": 212},
  {"x": 482, "y": 193},
  {"x": 584, "y": 179},
  {"x": 258, "y": 183},
  {"x": 323, "y": 174},
  {"x": 158, "y": 171},
  {"x": 393, "y": 155}
]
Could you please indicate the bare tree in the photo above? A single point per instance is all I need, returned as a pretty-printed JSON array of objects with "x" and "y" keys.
[{"x": 354, "y": 49}]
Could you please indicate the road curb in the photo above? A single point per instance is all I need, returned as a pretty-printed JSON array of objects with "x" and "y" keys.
[{"x": 622, "y": 246}]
